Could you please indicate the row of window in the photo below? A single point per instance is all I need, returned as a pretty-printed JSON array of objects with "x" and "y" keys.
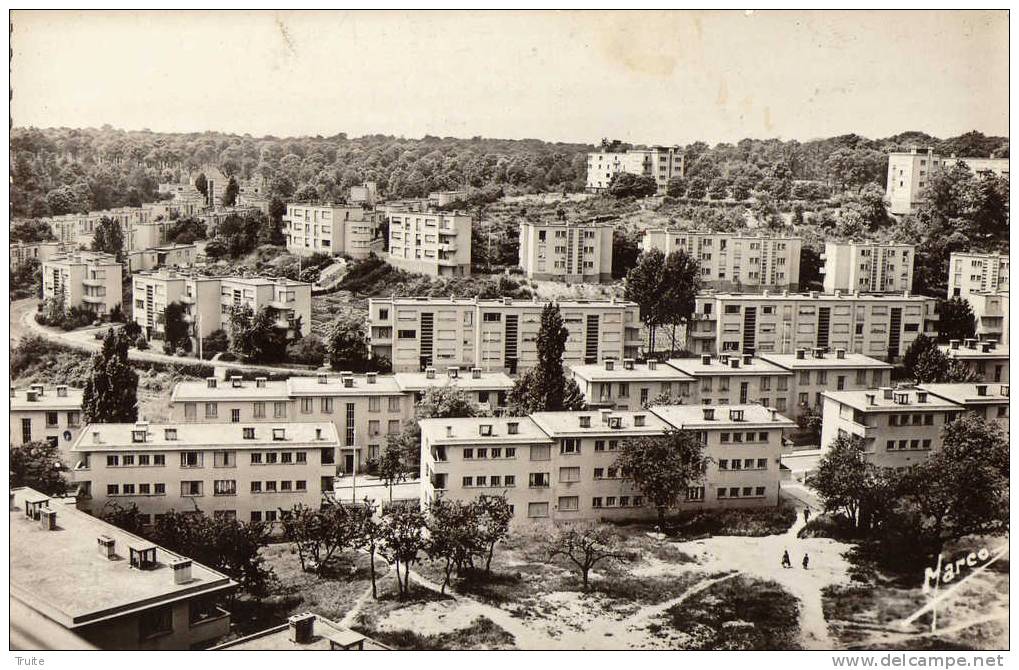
[
  {"x": 285, "y": 486},
  {"x": 912, "y": 445},
  {"x": 749, "y": 436},
  {"x": 744, "y": 464}
]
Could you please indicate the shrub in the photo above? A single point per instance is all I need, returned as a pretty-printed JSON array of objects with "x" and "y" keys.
[
  {"x": 141, "y": 343},
  {"x": 740, "y": 522},
  {"x": 308, "y": 350}
]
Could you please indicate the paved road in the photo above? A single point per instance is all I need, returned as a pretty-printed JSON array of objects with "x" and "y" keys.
[{"x": 23, "y": 324}]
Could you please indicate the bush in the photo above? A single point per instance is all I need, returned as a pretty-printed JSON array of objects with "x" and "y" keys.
[
  {"x": 141, "y": 344},
  {"x": 131, "y": 330},
  {"x": 308, "y": 350},
  {"x": 216, "y": 342},
  {"x": 836, "y": 527},
  {"x": 752, "y": 522}
]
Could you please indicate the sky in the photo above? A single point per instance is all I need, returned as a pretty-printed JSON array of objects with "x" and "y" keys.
[{"x": 649, "y": 77}]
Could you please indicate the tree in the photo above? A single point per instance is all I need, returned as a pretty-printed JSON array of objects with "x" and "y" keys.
[
  {"x": 625, "y": 250},
  {"x": 844, "y": 478},
  {"x": 916, "y": 348},
  {"x": 108, "y": 237},
  {"x": 230, "y": 193},
  {"x": 697, "y": 188},
  {"x": 128, "y": 518},
  {"x": 493, "y": 516},
  {"x": 368, "y": 534},
  {"x": 308, "y": 350},
  {"x": 255, "y": 336},
  {"x": 627, "y": 185},
  {"x": 718, "y": 189},
  {"x": 681, "y": 276},
  {"x": 215, "y": 342},
  {"x": 37, "y": 465},
  {"x": 810, "y": 268},
  {"x": 392, "y": 469},
  {"x": 446, "y": 402},
  {"x": 962, "y": 488},
  {"x": 453, "y": 536},
  {"x": 402, "y": 541},
  {"x": 955, "y": 320},
  {"x": 585, "y": 545},
  {"x": 176, "y": 333},
  {"x": 347, "y": 345},
  {"x": 934, "y": 367},
  {"x": 662, "y": 467},
  {"x": 319, "y": 533},
  {"x": 675, "y": 187},
  {"x": 111, "y": 387},
  {"x": 643, "y": 286},
  {"x": 202, "y": 184},
  {"x": 544, "y": 388},
  {"x": 809, "y": 421}
]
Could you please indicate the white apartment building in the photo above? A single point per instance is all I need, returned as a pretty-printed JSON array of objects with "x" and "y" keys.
[
  {"x": 77, "y": 582},
  {"x": 734, "y": 261},
  {"x": 735, "y": 380},
  {"x": 990, "y": 311},
  {"x": 487, "y": 390},
  {"x": 170, "y": 255},
  {"x": 143, "y": 227},
  {"x": 330, "y": 229},
  {"x": 987, "y": 401},
  {"x": 446, "y": 198},
  {"x": 367, "y": 193},
  {"x": 988, "y": 359},
  {"x": 569, "y": 252},
  {"x": 630, "y": 386},
  {"x": 660, "y": 162},
  {"x": 415, "y": 333},
  {"x": 430, "y": 243},
  {"x": 46, "y": 414},
  {"x": 88, "y": 279},
  {"x": 868, "y": 267},
  {"x": 910, "y": 172},
  {"x": 248, "y": 472},
  {"x": 976, "y": 273},
  {"x": 208, "y": 301},
  {"x": 817, "y": 371},
  {"x": 562, "y": 465},
  {"x": 22, "y": 252},
  {"x": 882, "y": 326}
]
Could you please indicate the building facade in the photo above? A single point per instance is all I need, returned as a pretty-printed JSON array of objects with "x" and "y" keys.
[
  {"x": 569, "y": 252},
  {"x": 128, "y": 595},
  {"x": 868, "y": 267},
  {"x": 990, "y": 313},
  {"x": 87, "y": 279},
  {"x": 415, "y": 333},
  {"x": 232, "y": 470},
  {"x": 170, "y": 255},
  {"x": 23, "y": 252},
  {"x": 881, "y": 326},
  {"x": 976, "y": 273},
  {"x": 46, "y": 414},
  {"x": 910, "y": 172},
  {"x": 630, "y": 386},
  {"x": 330, "y": 229},
  {"x": 430, "y": 243},
  {"x": 987, "y": 359},
  {"x": 659, "y": 162},
  {"x": 734, "y": 261},
  {"x": 732, "y": 379}
]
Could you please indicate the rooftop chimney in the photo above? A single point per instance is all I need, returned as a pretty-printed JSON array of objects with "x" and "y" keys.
[
  {"x": 210, "y": 382},
  {"x": 475, "y": 373},
  {"x": 774, "y": 413},
  {"x": 318, "y": 433},
  {"x": 921, "y": 396},
  {"x": 48, "y": 519},
  {"x": 886, "y": 392},
  {"x": 371, "y": 377},
  {"x": 107, "y": 547},
  {"x": 840, "y": 353},
  {"x": 62, "y": 391},
  {"x": 734, "y": 363},
  {"x": 585, "y": 421},
  {"x": 302, "y": 628},
  {"x": 429, "y": 373},
  {"x": 652, "y": 365},
  {"x": 260, "y": 382},
  {"x": 449, "y": 431},
  {"x": 348, "y": 382},
  {"x": 235, "y": 381},
  {"x": 709, "y": 413},
  {"x": 610, "y": 365},
  {"x": 453, "y": 372},
  {"x": 801, "y": 354},
  {"x": 627, "y": 363},
  {"x": 322, "y": 378},
  {"x": 871, "y": 398},
  {"x": 705, "y": 359},
  {"x": 181, "y": 570},
  {"x": 953, "y": 344},
  {"x": 981, "y": 389},
  {"x": 748, "y": 359}
]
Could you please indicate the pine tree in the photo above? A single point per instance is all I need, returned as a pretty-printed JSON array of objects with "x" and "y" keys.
[
  {"x": 111, "y": 389},
  {"x": 230, "y": 193},
  {"x": 545, "y": 388}
]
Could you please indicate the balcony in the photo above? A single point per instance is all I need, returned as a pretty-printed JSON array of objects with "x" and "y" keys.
[
  {"x": 863, "y": 430},
  {"x": 97, "y": 299},
  {"x": 99, "y": 281}
]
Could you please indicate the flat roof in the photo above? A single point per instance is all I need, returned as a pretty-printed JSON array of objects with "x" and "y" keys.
[
  {"x": 829, "y": 360},
  {"x": 964, "y": 352},
  {"x": 61, "y": 574},
  {"x": 225, "y": 390},
  {"x": 844, "y": 296},
  {"x": 49, "y": 400},
  {"x": 619, "y": 372},
  {"x": 858, "y": 400},
  {"x": 723, "y": 233},
  {"x": 417, "y": 381},
  {"x": 324, "y": 633},
  {"x": 966, "y": 394},
  {"x": 568, "y": 423},
  {"x": 220, "y": 435},
  {"x": 467, "y": 430},
  {"x": 692, "y": 416},
  {"x": 496, "y": 302},
  {"x": 333, "y": 386},
  {"x": 695, "y": 366}
]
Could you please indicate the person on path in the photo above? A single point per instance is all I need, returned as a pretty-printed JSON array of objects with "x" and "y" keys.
[
  {"x": 806, "y": 514},
  {"x": 806, "y": 561},
  {"x": 786, "y": 563}
]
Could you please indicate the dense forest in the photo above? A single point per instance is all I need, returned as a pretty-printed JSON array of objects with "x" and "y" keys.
[{"x": 61, "y": 170}]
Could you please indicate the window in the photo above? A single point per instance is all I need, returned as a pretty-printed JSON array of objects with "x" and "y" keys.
[
  {"x": 279, "y": 410},
  {"x": 112, "y": 489},
  {"x": 537, "y": 510},
  {"x": 256, "y": 517},
  {"x": 596, "y": 502},
  {"x": 190, "y": 411},
  {"x": 256, "y": 487},
  {"x": 272, "y": 457},
  {"x": 569, "y": 474},
  {"x": 286, "y": 457},
  {"x": 270, "y": 487},
  {"x": 394, "y": 404},
  {"x": 509, "y": 480},
  {"x": 286, "y": 485},
  {"x": 143, "y": 459},
  {"x": 224, "y": 487},
  {"x": 538, "y": 480},
  {"x": 307, "y": 405},
  {"x": 570, "y": 446},
  {"x": 599, "y": 445},
  {"x": 155, "y": 622},
  {"x": 211, "y": 410},
  {"x": 301, "y": 457},
  {"x": 468, "y": 453},
  {"x": 191, "y": 459},
  {"x": 301, "y": 485},
  {"x": 259, "y": 409},
  {"x": 723, "y": 464},
  {"x": 224, "y": 459},
  {"x": 695, "y": 493},
  {"x": 541, "y": 452},
  {"x": 191, "y": 488},
  {"x": 407, "y": 334},
  {"x": 328, "y": 456},
  {"x": 51, "y": 419},
  {"x": 374, "y": 404},
  {"x": 569, "y": 503},
  {"x": 235, "y": 416}
]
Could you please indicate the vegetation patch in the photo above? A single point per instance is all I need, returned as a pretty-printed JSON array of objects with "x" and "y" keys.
[{"x": 482, "y": 635}]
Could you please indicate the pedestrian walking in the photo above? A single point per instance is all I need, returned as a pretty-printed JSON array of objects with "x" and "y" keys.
[
  {"x": 786, "y": 563},
  {"x": 806, "y": 561},
  {"x": 806, "y": 514}
]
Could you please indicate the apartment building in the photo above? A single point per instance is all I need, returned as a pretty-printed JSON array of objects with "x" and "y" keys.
[
  {"x": 366, "y": 194},
  {"x": 898, "y": 427},
  {"x": 987, "y": 401},
  {"x": 23, "y": 252},
  {"x": 363, "y": 409},
  {"x": 987, "y": 359},
  {"x": 971, "y": 273},
  {"x": 564, "y": 251},
  {"x": 628, "y": 385},
  {"x": 429, "y": 242},
  {"x": 868, "y": 267},
  {"x": 733, "y": 379},
  {"x": 143, "y": 227},
  {"x": 247, "y": 471},
  {"x": 415, "y": 333},
  {"x": 208, "y": 301},
  {"x": 744, "y": 445},
  {"x": 169, "y": 255},
  {"x": 330, "y": 229},
  {"x": 882, "y": 326},
  {"x": 816, "y": 371},
  {"x": 562, "y": 465},
  {"x": 102, "y": 587},
  {"x": 446, "y": 198},
  {"x": 88, "y": 279},
  {"x": 306, "y": 631},
  {"x": 734, "y": 261},
  {"x": 46, "y": 414},
  {"x": 487, "y": 390},
  {"x": 910, "y": 172},
  {"x": 990, "y": 312},
  {"x": 659, "y": 162}
]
